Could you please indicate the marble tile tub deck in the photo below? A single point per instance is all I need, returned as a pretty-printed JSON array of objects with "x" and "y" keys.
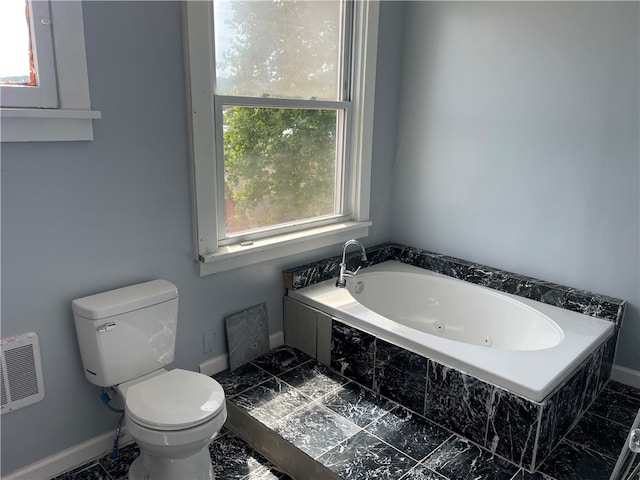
[{"x": 311, "y": 415}]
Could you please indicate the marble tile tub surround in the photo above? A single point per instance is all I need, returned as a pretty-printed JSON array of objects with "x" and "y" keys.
[
  {"x": 515, "y": 428},
  {"x": 569, "y": 298}
]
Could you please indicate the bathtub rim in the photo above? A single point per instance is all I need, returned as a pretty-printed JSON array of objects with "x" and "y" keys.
[{"x": 533, "y": 375}]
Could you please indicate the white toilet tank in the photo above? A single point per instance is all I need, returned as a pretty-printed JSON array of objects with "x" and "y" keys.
[{"x": 126, "y": 333}]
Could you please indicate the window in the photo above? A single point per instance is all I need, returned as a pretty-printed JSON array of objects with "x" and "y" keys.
[
  {"x": 281, "y": 97},
  {"x": 27, "y": 72},
  {"x": 44, "y": 90}
]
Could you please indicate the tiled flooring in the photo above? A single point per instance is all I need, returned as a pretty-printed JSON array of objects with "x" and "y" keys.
[
  {"x": 359, "y": 435},
  {"x": 232, "y": 458}
]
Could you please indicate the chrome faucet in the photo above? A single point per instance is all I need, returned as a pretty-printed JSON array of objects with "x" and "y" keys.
[{"x": 341, "y": 282}]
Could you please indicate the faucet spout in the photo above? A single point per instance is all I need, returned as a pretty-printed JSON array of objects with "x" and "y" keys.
[{"x": 341, "y": 282}]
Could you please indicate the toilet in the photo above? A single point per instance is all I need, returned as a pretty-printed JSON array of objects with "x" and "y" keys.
[{"x": 127, "y": 338}]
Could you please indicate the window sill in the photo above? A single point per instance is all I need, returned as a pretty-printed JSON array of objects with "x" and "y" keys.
[
  {"x": 236, "y": 256},
  {"x": 46, "y": 125}
]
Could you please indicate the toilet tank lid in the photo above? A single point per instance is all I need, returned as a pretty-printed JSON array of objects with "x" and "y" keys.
[{"x": 123, "y": 300}]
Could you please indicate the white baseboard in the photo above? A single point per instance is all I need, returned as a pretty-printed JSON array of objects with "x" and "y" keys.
[
  {"x": 214, "y": 365},
  {"x": 626, "y": 375},
  {"x": 276, "y": 339},
  {"x": 70, "y": 458},
  {"x": 221, "y": 362}
]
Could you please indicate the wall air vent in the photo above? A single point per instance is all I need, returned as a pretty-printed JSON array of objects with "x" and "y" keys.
[{"x": 21, "y": 370}]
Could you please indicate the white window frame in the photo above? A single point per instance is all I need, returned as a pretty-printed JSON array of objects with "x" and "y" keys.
[
  {"x": 200, "y": 72},
  {"x": 69, "y": 116},
  {"x": 343, "y": 113}
]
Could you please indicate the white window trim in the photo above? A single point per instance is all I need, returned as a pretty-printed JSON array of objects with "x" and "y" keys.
[
  {"x": 213, "y": 258},
  {"x": 73, "y": 119}
]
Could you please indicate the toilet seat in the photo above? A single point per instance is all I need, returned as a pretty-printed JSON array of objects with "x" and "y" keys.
[{"x": 174, "y": 400}]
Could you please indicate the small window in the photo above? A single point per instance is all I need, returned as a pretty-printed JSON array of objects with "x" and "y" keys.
[
  {"x": 286, "y": 97},
  {"x": 27, "y": 68},
  {"x": 44, "y": 88}
]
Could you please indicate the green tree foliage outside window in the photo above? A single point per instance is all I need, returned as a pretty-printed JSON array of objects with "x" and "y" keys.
[{"x": 280, "y": 164}]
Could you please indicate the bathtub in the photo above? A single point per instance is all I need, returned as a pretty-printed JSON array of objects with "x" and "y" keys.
[{"x": 520, "y": 345}]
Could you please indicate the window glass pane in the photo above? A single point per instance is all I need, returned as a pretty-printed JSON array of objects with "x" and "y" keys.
[
  {"x": 280, "y": 166},
  {"x": 278, "y": 48},
  {"x": 15, "y": 55}
]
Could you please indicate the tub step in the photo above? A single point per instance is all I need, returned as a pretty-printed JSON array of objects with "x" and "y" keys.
[
  {"x": 316, "y": 424},
  {"x": 285, "y": 455},
  {"x": 259, "y": 399}
]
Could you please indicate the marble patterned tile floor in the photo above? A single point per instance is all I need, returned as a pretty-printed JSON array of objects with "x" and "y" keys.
[
  {"x": 357, "y": 434},
  {"x": 232, "y": 459}
]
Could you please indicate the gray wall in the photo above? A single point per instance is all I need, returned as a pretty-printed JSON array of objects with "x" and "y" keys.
[
  {"x": 518, "y": 142},
  {"x": 517, "y": 147},
  {"x": 79, "y": 218}
]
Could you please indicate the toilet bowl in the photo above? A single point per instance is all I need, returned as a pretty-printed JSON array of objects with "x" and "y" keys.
[
  {"x": 173, "y": 416},
  {"x": 126, "y": 338}
]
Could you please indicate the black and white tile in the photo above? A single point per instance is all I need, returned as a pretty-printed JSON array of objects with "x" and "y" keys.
[
  {"x": 619, "y": 408},
  {"x": 233, "y": 459},
  {"x": 241, "y": 379},
  {"x": 521, "y": 430},
  {"x": 420, "y": 472},
  {"x": 561, "y": 296},
  {"x": 512, "y": 427},
  {"x": 358, "y": 404},
  {"x": 119, "y": 467},
  {"x": 352, "y": 353},
  {"x": 567, "y": 402},
  {"x": 622, "y": 389},
  {"x": 400, "y": 375},
  {"x": 599, "y": 434},
  {"x": 358, "y": 434},
  {"x": 313, "y": 380},
  {"x": 409, "y": 433},
  {"x": 462, "y": 460},
  {"x": 570, "y": 461},
  {"x": 365, "y": 456},
  {"x": 458, "y": 401},
  {"x": 270, "y": 401},
  {"x": 315, "y": 429},
  {"x": 282, "y": 359}
]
